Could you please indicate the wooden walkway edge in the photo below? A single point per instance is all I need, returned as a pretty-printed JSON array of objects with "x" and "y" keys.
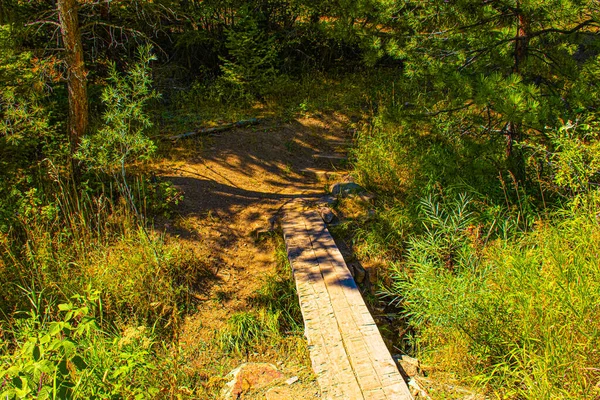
[{"x": 347, "y": 351}]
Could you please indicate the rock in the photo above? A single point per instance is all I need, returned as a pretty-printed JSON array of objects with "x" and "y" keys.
[
  {"x": 351, "y": 269},
  {"x": 366, "y": 197},
  {"x": 344, "y": 189},
  {"x": 327, "y": 214},
  {"x": 292, "y": 380},
  {"x": 325, "y": 201},
  {"x": 409, "y": 365},
  {"x": 249, "y": 376},
  {"x": 416, "y": 390},
  {"x": 279, "y": 393}
]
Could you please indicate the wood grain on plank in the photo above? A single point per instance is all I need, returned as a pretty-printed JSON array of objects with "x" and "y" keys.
[
  {"x": 348, "y": 354},
  {"x": 329, "y": 358}
]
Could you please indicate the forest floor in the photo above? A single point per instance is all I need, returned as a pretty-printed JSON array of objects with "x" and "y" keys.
[{"x": 234, "y": 186}]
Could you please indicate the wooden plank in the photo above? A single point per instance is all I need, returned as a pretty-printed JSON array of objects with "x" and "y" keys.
[
  {"x": 348, "y": 354},
  {"x": 329, "y": 358},
  {"x": 331, "y": 157},
  {"x": 386, "y": 376}
]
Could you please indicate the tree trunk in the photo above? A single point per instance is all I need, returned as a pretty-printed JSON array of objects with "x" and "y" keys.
[
  {"x": 76, "y": 72},
  {"x": 513, "y": 133}
]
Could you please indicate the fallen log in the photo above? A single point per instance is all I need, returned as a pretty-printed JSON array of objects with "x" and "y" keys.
[{"x": 209, "y": 131}]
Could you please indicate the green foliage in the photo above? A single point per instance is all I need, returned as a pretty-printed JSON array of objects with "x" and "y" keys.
[
  {"x": 576, "y": 160},
  {"x": 512, "y": 70},
  {"x": 70, "y": 357},
  {"x": 122, "y": 140},
  {"x": 524, "y": 308},
  {"x": 250, "y": 65},
  {"x": 28, "y": 132}
]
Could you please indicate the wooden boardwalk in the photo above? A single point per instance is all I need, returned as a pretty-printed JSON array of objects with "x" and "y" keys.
[{"x": 347, "y": 351}]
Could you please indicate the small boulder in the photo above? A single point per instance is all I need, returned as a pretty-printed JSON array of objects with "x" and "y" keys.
[
  {"x": 409, "y": 365},
  {"x": 344, "y": 189},
  {"x": 366, "y": 197},
  {"x": 358, "y": 272},
  {"x": 249, "y": 376},
  {"x": 326, "y": 201},
  {"x": 417, "y": 391},
  {"x": 327, "y": 214}
]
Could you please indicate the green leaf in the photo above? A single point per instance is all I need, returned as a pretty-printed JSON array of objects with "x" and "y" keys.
[
  {"x": 69, "y": 346},
  {"x": 62, "y": 367},
  {"x": 17, "y": 382},
  {"x": 79, "y": 363}
]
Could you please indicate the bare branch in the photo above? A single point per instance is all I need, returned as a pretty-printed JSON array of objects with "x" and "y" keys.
[{"x": 43, "y": 23}]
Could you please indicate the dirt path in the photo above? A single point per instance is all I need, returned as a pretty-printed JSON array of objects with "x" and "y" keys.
[{"x": 235, "y": 184}]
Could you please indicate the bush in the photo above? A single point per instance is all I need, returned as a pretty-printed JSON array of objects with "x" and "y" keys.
[
  {"x": 523, "y": 311},
  {"x": 64, "y": 354}
]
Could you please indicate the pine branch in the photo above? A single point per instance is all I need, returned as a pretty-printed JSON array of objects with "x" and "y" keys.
[
  {"x": 448, "y": 110},
  {"x": 589, "y": 22}
]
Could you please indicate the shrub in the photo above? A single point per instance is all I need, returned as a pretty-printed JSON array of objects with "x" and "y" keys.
[
  {"x": 525, "y": 309},
  {"x": 64, "y": 354}
]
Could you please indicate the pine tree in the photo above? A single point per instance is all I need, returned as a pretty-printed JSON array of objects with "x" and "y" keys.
[{"x": 508, "y": 68}]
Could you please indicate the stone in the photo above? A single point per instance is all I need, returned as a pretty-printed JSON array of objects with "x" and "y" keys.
[
  {"x": 409, "y": 365},
  {"x": 325, "y": 201},
  {"x": 327, "y": 214},
  {"x": 366, "y": 197},
  {"x": 416, "y": 390},
  {"x": 249, "y": 376},
  {"x": 359, "y": 273},
  {"x": 344, "y": 189},
  {"x": 279, "y": 393}
]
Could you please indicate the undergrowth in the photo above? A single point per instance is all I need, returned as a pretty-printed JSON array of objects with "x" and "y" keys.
[
  {"x": 495, "y": 275},
  {"x": 524, "y": 311}
]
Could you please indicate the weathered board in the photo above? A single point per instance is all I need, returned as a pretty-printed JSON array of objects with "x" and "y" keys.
[
  {"x": 330, "y": 157},
  {"x": 347, "y": 351}
]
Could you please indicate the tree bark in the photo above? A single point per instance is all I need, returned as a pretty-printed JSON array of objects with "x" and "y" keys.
[
  {"x": 513, "y": 132},
  {"x": 76, "y": 71}
]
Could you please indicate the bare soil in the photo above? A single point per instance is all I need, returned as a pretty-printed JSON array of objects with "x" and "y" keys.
[{"x": 235, "y": 185}]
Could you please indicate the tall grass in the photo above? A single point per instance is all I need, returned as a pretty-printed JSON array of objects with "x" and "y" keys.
[
  {"x": 120, "y": 287},
  {"x": 519, "y": 315},
  {"x": 72, "y": 240}
]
